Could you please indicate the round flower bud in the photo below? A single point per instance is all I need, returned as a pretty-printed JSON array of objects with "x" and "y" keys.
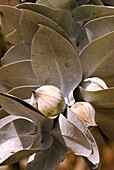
[
  {"x": 85, "y": 112},
  {"x": 94, "y": 84},
  {"x": 49, "y": 100}
]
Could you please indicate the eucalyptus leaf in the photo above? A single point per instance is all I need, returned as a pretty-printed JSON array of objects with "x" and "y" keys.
[
  {"x": 44, "y": 2},
  {"x": 67, "y": 4},
  {"x": 13, "y": 132},
  {"x": 9, "y": 137},
  {"x": 29, "y": 25},
  {"x": 86, "y": 13},
  {"x": 12, "y": 15},
  {"x": 16, "y": 106},
  {"x": 105, "y": 121},
  {"x": 16, "y": 53},
  {"x": 101, "y": 98},
  {"x": 94, "y": 157},
  {"x": 97, "y": 57},
  {"x": 14, "y": 37},
  {"x": 52, "y": 156},
  {"x": 57, "y": 15},
  {"x": 74, "y": 138},
  {"x": 23, "y": 92},
  {"x": 99, "y": 27},
  {"x": 55, "y": 61},
  {"x": 17, "y": 74}
]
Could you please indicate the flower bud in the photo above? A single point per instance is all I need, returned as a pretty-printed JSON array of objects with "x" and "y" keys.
[
  {"x": 94, "y": 84},
  {"x": 85, "y": 112},
  {"x": 49, "y": 100}
]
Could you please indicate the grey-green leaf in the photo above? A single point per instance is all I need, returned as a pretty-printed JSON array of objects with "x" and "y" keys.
[
  {"x": 74, "y": 138},
  {"x": 57, "y": 15},
  {"x": 94, "y": 157},
  {"x": 99, "y": 27},
  {"x": 55, "y": 61},
  {"x": 101, "y": 98},
  {"x": 52, "y": 156},
  {"x": 23, "y": 92},
  {"x": 85, "y": 13},
  {"x": 105, "y": 121},
  {"x": 97, "y": 57},
  {"x": 14, "y": 37},
  {"x": 17, "y": 74},
  {"x": 16, "y": 53},
  {"x": 12, "y": 15},
  {"x": 16, "y": 106},
  {"x": 13, "y": 138},
  {"x": 29, "y": 25}
]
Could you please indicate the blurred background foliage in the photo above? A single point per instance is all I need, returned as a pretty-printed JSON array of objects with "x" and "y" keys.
[{"x": 71, "y": 162}]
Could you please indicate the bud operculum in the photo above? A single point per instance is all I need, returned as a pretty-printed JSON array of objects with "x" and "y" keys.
[
  {"x": 49, "y": 100},
  {"x": 85, "y": 112},
  {"x": 94, "y": 84}
]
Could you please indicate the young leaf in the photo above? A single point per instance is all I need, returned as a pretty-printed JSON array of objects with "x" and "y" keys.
[
  {"x": 19, "y": 139},
  {"x": 16, "y": 53},
  {"x": 57, "y": 15},
  {"x": 48, "y": 159},
  {"x": 74, "y": 138},
  {"x": 94, "y": 157},
  {"x": 44, "y": 2},
  {"x": 12, "y": 15},
  {"x": 99, "y": 27},
  {"x": 105, "y": 121},
  {"x": 102, "y": 98},
  {"x": 14, "y": 37},
  {"x": 29, "y": 25},
  {"x": 85, "y": 13},
  {"x": 23, "y": 92},
  {"x": 97, "y": 57},
  {"x": 11, "y": 75},
  {"x": 16, "y": 106},
  {"x": 54, "y": 60}
]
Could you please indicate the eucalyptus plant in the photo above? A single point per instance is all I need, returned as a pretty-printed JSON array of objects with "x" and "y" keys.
[{"x": 69, "y": 45}]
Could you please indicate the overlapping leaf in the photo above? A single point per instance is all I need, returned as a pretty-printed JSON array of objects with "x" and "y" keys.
[
  {"x": 18, "y": 74},
  {"x": 97, "y": 57},
  {"x": 16, "y": 53},
  {"x": 57, "y": 15},
  {"x": 94, "y": 157},
  {"x": 12, "y": 134},
  {"x": 49, "y": 158},
  {"x": 13, "y": 16},
  {"x": 99, "y": 27},
  {"x": 16, "y": 106},
  {"x": 23, "y": 92},
  {"x": 102, "y": 98},
  {"x": 105, "y": 120},
  {"x": 29, "y": 25},
  {"x": 14, "y": 37},
  {"x": 74, "y": 137},
  {"x": 85, "y": 13},
  {"x": 52, "y": 65}
]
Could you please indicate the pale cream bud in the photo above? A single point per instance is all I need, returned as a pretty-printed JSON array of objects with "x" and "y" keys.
[
  {"x": 85, "y": 112},
  {"x": 94, "y": 84},
  {"x": 49, "y": 100}
]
